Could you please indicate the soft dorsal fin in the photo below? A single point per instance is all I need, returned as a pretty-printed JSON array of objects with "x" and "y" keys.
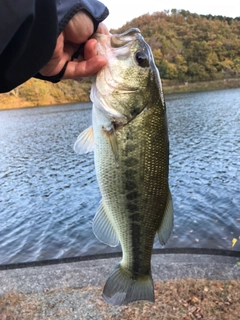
[
  {"x": 166, "y": 226},
  {"x": 85, "y": 141},
  {"x": 103, "y": 229}
]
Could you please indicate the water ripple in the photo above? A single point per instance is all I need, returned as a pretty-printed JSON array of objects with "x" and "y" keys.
[{"x": 49, "y": 195}]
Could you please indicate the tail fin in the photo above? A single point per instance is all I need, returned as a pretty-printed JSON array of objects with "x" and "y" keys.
[{"x": 121, "y": 288}]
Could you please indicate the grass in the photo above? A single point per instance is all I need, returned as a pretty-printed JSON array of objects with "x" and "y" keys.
[{"x": 179, "y": 299}]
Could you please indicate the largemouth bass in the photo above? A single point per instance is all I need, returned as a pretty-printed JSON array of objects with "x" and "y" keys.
[{"x": 129, "y": 137}]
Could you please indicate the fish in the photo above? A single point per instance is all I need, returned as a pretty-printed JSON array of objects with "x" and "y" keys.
[{"x": 129, "y": 137}]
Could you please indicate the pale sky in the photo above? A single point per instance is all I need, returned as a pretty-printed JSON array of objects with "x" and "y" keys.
[{"x": 122, "y": 11}]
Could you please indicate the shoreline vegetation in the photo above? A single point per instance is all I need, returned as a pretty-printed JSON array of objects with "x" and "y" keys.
[
  {"x": 36, "y": 93},
  {"x": 192, "y": 52}
]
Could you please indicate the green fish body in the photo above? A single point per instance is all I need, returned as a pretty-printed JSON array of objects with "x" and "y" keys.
[{"x": 129, "y": 136}]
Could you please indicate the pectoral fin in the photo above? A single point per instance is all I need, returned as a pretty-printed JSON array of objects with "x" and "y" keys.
[
  {"x": 166, "y": 226},
  {"x": 84, "y": 142},
  {"x": 103, "y": 229},
  {"x": 112, "y": 138}
]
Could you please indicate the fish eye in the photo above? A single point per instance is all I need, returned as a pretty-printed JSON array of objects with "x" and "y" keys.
[{"x": 142, "y": 59}]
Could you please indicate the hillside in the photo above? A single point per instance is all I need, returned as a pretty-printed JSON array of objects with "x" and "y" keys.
[
  {"x": 39, "y": 93},
  {"x": 188, "y": 49}
]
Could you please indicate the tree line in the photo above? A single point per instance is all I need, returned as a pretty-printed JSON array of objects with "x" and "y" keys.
[
  {"x": 187, "y": 47},
  {"x": 191, "y": 47}
]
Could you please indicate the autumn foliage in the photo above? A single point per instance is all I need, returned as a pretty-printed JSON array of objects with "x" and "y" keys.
[
  {"x": 191, "y": 47},
  {"x": 188, "y": 48}
]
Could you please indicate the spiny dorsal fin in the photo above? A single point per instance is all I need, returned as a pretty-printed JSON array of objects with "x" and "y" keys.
[
  {"x": 102, "y": 228},
  {"x": 85, "y": 141},
  {"x": 166, "y": 226}
]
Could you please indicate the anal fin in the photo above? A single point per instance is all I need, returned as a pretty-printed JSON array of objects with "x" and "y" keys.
[
  {"x": 166, "y": 226},
  {"x": 103, "y": 229}
]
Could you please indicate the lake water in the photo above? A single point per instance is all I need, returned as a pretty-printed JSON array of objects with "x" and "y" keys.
[{"x": 49, "y": 194}]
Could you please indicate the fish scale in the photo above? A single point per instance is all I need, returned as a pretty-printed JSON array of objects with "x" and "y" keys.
[
  {"x": 141, "y": 154},
  {"x": 131, "y": 155}
]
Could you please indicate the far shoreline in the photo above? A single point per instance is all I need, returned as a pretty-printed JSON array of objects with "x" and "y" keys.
[
  {"x": 168, "y": 88},
  {"x": 224, "y": 84}
]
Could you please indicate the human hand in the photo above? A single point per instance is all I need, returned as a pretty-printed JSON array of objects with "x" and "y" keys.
[{"x": 76, "y": 32}]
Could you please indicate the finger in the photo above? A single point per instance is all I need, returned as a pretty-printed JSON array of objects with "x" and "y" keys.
[
  {"x": 102, "y": 28},
  {"x": 84, "y": 68},
  {"x": 90, "y": 49},
  {"x": 80, "y": 21},
  {"x": 62, "y": 53}
]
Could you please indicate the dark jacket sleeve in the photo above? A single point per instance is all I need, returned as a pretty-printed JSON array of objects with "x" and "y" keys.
[{"x": 28, "y": 34}]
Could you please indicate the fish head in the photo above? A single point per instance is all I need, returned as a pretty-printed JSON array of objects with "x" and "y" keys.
[{"x": 130, "y": 80}]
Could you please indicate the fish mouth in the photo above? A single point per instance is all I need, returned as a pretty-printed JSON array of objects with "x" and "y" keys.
[
  {"x": 120, "y": 40},
  {"x": 130, "y": 46},
  {"x": 113, "y": 41},
  {"x": 118, "y": 46},
  {"x": 115, "y": 46}
]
